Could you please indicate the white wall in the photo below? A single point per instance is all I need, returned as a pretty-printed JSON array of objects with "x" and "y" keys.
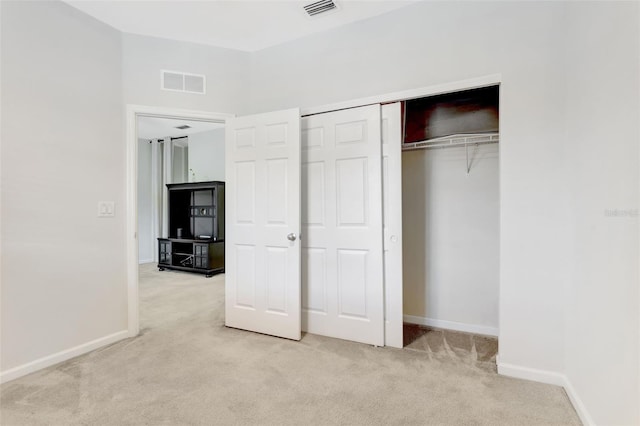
[
  {"x": 450, "y": 237},
  {"x": 227, "y": 72},
  {"x": 146, "y": 245},
  {"x": 206, "y": 156},
  {"x": 63, "y": 268},
  {"x": 603, "y": 130},
  {"x": 431, "y": 43}
]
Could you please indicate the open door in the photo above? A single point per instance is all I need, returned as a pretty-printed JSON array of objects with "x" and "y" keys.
[{"x": 262, "y": 246}]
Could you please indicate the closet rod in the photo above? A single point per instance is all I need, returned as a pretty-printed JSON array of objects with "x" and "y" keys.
[{"x": 454, "y": 140}]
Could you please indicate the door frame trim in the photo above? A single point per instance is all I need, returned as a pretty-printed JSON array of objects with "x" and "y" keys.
[{"x": 132, "y": 112}]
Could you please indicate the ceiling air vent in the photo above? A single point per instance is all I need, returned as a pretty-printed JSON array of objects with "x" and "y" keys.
[
  {"x": 177, "y": 81},
  {"x": 319, "y": 7}
]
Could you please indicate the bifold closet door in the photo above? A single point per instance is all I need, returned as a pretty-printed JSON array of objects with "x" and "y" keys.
[
  {"x": 342, "y": 261},
  {"x": 262, "y": 248}
]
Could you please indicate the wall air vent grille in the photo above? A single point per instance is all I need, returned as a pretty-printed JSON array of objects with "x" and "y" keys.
[
  {"x": 319, "y": 7},
  {"x": 176, "y": 81}
]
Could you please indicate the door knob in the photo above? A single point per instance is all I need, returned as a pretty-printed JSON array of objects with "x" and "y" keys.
[{"x": 291, "y": 237}]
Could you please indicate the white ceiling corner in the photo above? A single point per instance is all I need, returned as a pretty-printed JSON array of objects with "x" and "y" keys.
[{"x": 247, "y": 25}]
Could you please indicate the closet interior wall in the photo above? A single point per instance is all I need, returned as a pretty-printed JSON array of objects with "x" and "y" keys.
[{"x": 450, "y": 235}]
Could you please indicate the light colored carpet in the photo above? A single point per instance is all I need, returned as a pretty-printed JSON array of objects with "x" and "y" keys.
[{"x": 187, "y": 368}]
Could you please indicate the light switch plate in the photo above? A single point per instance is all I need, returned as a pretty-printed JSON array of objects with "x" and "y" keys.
[{"x": 106, "y": 209}]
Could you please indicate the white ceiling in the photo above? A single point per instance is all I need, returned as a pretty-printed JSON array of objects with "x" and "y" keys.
[
  {"x": 247, "y": 25},
  {"x": 155, "y": 128}
]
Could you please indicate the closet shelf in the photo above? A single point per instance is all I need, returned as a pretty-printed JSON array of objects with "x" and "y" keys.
[{"x": 465, "y": 139}]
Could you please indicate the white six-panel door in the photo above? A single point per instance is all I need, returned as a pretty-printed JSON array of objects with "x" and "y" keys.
[
  {"x": 342, "y": 260},
  {"x": 262, "y": 248}
]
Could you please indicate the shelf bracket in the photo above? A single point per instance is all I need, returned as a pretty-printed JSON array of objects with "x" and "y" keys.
[{"x": 466, "y": 149}]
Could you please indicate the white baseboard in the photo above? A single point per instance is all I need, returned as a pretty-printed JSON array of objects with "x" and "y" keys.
[
  {"x": 452, "y": 325},
  {"x": 552, "y": 378},
  {"x": 143, "y": 261},
  {"x": 56, "y": 358},
  {"x": 584, "y": 415},
  {"x": 542, "y": 376}
]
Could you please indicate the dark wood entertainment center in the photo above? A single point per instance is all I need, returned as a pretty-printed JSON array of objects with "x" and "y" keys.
[{"x": 196, "y": 229}]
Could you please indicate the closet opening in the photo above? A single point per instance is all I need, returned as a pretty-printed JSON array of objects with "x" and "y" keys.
[{"x": 450, "y": 223}]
